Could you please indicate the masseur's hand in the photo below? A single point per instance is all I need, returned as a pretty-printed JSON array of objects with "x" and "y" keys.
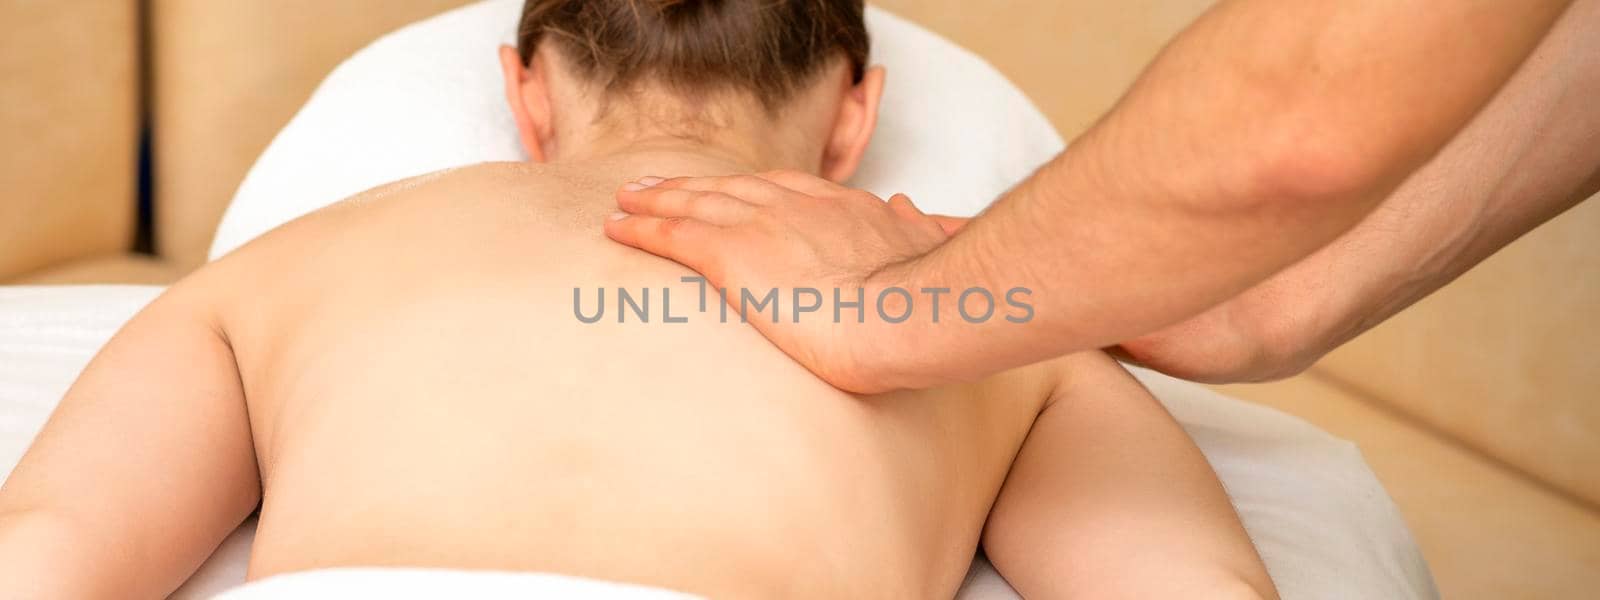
[{"x": 788, "y": 230}]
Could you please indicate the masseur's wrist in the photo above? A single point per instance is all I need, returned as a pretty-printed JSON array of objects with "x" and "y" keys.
[
  {"x": 933, "y": 346},
  {"x": 897, "y": 355}
]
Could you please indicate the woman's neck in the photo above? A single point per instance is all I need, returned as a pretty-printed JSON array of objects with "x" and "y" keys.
[
  {"x": 673, "y": 162},
  {"x": 735, "y": 147}
]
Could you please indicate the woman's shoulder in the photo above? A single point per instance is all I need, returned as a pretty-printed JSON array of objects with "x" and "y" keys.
[{"x": 476, "y": 176}]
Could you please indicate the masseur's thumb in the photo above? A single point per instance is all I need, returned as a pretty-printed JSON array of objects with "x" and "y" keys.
[{"x": 681, "y": 239}]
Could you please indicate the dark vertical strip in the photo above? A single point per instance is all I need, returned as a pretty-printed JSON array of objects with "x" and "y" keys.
[{"x": 144, "y": 234}]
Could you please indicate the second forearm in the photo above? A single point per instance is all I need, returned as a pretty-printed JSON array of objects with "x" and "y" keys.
[
  {"x": 1265, "y": 131},
  {"x": 1531, "y": 154}
]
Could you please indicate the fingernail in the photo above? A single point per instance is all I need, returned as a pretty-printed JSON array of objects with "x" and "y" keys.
[
  {"x": 650, "y": 181},
  {"x": 617, "y": 216},
  {"x": 633, "y": 186}
]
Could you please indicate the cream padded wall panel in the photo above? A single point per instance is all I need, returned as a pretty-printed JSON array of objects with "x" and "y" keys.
[
  {"x": 225, "y": 77},
  {"x": 69, "y": 107},
  {"x": 1507, "y": 358},
  {"x": 1074, "y": 58}
]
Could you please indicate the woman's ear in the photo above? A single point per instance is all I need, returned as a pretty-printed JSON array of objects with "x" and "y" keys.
[
  {"x": 853, "y": 127},
  {"x": 528, "y": 95}
]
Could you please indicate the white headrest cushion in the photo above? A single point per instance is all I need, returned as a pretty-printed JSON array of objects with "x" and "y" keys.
[{"x": 953, "y": 132}]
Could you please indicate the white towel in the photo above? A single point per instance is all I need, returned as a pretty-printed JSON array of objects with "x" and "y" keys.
[{"x": 433, "y": 584}]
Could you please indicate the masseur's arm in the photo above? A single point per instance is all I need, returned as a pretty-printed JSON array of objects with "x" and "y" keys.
[
  {"x": 1262, "y": 132},
  {"x": 1532, "y": 153}
]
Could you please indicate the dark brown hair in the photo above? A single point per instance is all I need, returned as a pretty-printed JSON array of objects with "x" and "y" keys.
[{"x": 769, "y": 47}]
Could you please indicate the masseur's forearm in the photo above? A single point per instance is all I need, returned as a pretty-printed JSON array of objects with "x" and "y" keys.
[{"x": 1265, "y": 130}]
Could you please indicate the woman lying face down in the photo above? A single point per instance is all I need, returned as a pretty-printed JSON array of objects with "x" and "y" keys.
[{"x": 399, "y": 380}]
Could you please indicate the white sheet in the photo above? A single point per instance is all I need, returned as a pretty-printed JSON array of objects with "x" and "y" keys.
[
  {"x": 1324, "y": 525},
  {"x": 435, "y": 584}
]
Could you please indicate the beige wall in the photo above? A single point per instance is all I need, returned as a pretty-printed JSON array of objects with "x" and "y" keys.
[
  {"x": 69, "y": 103},
  {"x": 1073, "y": 57},
  {"x": 226, "y": 76}
]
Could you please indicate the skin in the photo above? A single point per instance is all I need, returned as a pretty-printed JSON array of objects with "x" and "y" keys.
[
  {"x": 399, "y": 380},
  {"x": 1263, "y": 132}
]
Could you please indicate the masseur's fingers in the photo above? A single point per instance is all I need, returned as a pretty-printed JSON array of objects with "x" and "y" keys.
[
  {"x": 806, "y": 183},
  {"x": 820, "y": 235},
  {"x": 715, "y": 208},
  {"x": 686, "y": 240},
  {"x": 749, "y": 188}
]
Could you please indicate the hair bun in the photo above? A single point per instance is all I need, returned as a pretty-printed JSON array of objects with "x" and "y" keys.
[{"x": 687, "y": 45}]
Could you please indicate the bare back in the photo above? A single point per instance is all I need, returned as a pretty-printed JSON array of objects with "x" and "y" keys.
[{"x": 421, "y": 392}]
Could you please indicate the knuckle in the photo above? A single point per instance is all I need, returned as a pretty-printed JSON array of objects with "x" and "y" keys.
[
  {"x": 738, "y": 182},
  {"x": 766, "y": 217},
  {"x": 672, "y": 227},
  {"x": 664, "y": 202},
  {"x": 780, "y": 176}
]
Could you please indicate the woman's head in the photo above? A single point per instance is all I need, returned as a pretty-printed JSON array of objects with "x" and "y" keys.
[{"x": 784, "y": 77}]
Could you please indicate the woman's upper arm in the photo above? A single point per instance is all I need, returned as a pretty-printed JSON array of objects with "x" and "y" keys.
[
  {"x": 148, "y": 461},
  {"x": 1110, "y": 498}
]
